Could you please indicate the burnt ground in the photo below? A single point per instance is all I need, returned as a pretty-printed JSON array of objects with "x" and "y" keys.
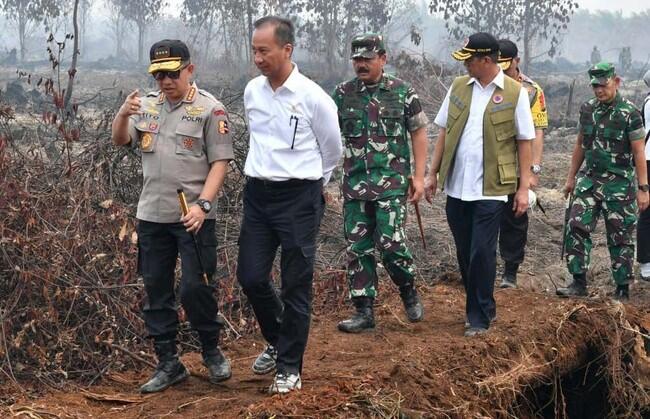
[{"x": 544, "y": 357}]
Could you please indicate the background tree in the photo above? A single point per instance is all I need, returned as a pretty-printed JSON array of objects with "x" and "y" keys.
[
  {"x": 529, "y": 21},
  {"x": 142, "y": 13},
  {"x": 329, "y": 25},
  {"x": 119, "y": 24},
  {"x": 25, "y": 13}
]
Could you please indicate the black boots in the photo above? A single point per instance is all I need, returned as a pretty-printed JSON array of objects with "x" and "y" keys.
[
  {"x": 217, "y": 364},
  {"x": 622, "y": 293},
  {"x": 577, "y": 288},
  {"x": 169, "y": 371},
  {"x": 412, "y": 304},
  {"x": 509, "y": 278},
  {"x": 213, "y": 359},
  {"x": 363, "y": 318}
]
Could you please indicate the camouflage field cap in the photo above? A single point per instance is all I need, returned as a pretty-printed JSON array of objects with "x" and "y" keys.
[
  {"x": 168, "y": 55},
  {"x": 601, "y": 73},
  {"x": 368, "y": 45}
]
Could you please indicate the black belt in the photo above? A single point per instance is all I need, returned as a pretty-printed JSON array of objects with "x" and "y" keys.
[{"x": 282, "y": 183}]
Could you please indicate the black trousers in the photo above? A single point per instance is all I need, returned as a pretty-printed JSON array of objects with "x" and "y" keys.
[
  {"x": 643, "y": 234},
  {"x": 285, "y": 214},
  {"x": 513, "y": 234},
  {"x": 475, "y": 226},
  {"x": 159, "y": 245}
]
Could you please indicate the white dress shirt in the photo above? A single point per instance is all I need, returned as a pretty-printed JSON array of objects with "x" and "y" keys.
[
  {"x": 646, "y": 114},
  {"x": 465, "y": 181},
  {"x": 294, "y": 130}
]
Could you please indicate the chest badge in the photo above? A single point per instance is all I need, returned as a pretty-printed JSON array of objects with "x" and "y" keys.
[
  {"x": 497, "y": 99},
  {"x": 146, "y": 141},
  {"x": 188, "y": 143},
  {"x": 194, "y": 110},
  {"x": 153, "y": 126}
]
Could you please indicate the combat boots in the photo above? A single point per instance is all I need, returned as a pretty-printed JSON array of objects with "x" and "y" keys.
[
  {"x": 577, "y": 288},
  {"x": 217, "y": 364},
  {"x": 412, "y": 304},
  {"x": 509, "y": 278},
  {"x": 622, "y": 293},
  {"x": 169, "y": 371},
  {"x": 363, "y": 318}
]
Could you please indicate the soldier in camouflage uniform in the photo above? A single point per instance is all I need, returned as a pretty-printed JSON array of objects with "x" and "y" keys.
[
  {"x": 610, "y": 141},
  {"x": 377, "y": 113}
]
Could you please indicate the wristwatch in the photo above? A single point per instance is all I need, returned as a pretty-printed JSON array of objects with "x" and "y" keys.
[
  {"x": 536, "y": 169},
  {"x": 644, "y": 188},
  {"x": 205, "y": 205}
]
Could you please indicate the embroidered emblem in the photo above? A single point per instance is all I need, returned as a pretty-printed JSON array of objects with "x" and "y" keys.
[
  {"x": 194, "y": 110},
  {"x": 146, "y": 141},
  {"x": 188, "y": 143},
  {"x": 223, "y": 127},
  {"x": 153, "y": 126}
]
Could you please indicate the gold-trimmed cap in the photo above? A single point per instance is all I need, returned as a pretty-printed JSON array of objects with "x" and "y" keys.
[
  {"x": 478, "y": 43},
  {"x": 508, "y": 51},
  {"x": 168, "y": 55}
]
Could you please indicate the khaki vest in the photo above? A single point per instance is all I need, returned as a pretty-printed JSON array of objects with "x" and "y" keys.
[{"x": 499, "y": 135}]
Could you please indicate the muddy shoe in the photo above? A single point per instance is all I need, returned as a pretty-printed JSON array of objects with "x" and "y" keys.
[
  {"x": 284, "y": 383},
  {"x": 622, "y": 293},
  {"x": 265, "y": 362},
  {"x": 508, "y": 281},
  {"x": 169, "y": 371},
  {"x": 509, "y": 277},
  {"x": 412, "y": 304},
  {"x": 577, "y": 288},
  {"x": 475, "y": 331},
  {"x": 217, "y": 364},
  {"x": 363, "y": 318}
]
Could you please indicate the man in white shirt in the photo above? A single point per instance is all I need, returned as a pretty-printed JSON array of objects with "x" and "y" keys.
[
  {"x": 295, "y": 145},
  {"x": 485, "y": 130},
  {"x": 643, "y": 225}
]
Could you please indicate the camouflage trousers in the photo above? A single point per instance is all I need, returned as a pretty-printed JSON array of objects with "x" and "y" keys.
[
  {"x": 620, "y": 222},
  {"x": 379, "y": 222}
]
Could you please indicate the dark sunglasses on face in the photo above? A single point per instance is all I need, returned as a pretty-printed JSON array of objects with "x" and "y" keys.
[{"x": 174, "y": 75}]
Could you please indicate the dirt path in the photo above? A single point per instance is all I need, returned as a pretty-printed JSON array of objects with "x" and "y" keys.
[{"x": 424, "y": 367}]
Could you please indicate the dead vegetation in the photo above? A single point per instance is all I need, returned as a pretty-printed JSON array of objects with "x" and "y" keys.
[{"x": 70, "y": 312}]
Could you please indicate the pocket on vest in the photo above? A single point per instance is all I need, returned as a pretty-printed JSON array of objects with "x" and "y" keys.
[
  {"x": 391, "y": 122},
  {"x": 507, "y": 170},
  {"x": 504, "y": 124}
]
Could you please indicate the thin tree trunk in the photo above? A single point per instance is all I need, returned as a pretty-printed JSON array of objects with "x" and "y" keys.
[
  {"x": 22, "y": 24},
  {"x": 72, "y": 71},
  {"x": 141, "y": 28},
  {"x": 249, "y": 17}
]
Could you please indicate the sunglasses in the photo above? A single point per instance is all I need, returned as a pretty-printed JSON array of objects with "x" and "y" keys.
[{"x": 174, "y": 75}]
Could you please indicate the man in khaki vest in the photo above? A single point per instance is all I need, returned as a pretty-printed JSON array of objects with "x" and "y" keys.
[{"x": 486, "y": 129}]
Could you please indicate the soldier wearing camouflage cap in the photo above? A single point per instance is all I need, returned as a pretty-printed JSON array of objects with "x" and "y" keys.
[
  {"x": 378, "y": 114},
  {"x": 610, "y": 143}
]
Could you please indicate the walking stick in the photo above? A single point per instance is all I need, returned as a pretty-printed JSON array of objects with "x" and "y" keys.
[
  {"x": 185, "y": 209},
  {"x": 417, "y": 214}
]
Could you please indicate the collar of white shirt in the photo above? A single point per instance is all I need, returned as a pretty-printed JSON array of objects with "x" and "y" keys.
[
  {"x": 498, "y": 80},
  {"x": 292, "y": 83}
]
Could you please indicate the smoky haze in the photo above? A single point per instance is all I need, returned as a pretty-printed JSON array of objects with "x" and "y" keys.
[{"x": 219, "y": 39}]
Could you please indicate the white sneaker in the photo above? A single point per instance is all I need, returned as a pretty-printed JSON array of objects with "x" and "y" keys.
[{"x": 284, "y": 383}]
